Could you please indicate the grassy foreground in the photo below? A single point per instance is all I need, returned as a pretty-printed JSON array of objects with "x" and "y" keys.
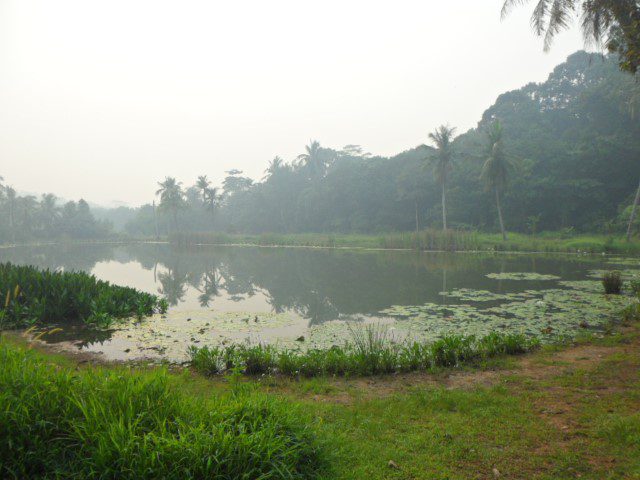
[
  {"x": 452, "y": 240},
  {"x": 116, "y": 423},
  {"x": 558, "y": 413}
]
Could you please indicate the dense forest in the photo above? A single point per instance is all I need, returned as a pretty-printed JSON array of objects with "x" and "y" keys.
[
  {"x": 570, "y": 148},
  {"x": 573, "y": 143}
]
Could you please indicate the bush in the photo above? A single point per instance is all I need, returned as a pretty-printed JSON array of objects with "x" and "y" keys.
[
  {"x": 33, "y": 296},
  {"x": 369, "y": 353},
  {"x": 612, "y": 282},
  {"x": 108, "y": 424}
]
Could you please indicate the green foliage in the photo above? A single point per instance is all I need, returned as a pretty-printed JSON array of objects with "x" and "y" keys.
[
  {"x": 48, "y": 297},
  {"x": 59, "y": 423},
  {"x": 634, "y": 285},
  {"x": 612, "y": 282},
  {"x": 370, "y": 352}
]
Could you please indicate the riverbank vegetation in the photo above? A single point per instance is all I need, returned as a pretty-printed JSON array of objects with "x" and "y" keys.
[
  {"x": 33, "y": 296},
  {"x": 370, "y": 352},
  {"x": 432, "y": 239}
]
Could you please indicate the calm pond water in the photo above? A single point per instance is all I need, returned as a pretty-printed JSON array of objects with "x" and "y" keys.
[{"x": 301, "y": 298}]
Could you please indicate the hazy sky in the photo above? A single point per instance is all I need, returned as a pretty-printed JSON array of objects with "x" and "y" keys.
[{"x": 101, "y": 99}]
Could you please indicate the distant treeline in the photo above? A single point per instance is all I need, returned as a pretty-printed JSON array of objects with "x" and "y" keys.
[
  {"x": 571, "y": 145},
  {"x": 27, "y": 218}
]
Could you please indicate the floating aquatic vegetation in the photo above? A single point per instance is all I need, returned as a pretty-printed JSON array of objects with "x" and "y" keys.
[
  {"x": 522, "y": 276},
  {"x": 633, "y": 261},
  {"x": 472, "y": 295},
  {"x": 626, "y": 274},
  {"x": 548, "y": 314},
  {"x": 169, "y": 335}
]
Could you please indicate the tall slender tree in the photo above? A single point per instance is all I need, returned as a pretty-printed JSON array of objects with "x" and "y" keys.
[
  {"x": 315, "y": 159},
  {"x": 11, "y": 203},
  {"x": 203, "y": 185},
  {"x": 171, "y": 198},
  {"x": 496, "y": 168},
  {"x": 442, "y": 138}
]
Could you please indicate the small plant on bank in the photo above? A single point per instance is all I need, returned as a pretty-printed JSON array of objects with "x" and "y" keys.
[{"x": 612, "y": 282}]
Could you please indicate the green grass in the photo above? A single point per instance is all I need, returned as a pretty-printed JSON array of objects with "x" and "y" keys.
[
  {"x": 33, "y": 296},
  {"x": 117, "y": 423},
  {"x": 430, "y": 239},
  {"x": 368, "y": 353}
]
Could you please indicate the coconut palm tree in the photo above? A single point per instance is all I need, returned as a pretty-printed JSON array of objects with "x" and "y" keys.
[
  {"x": 203, "y": 185},
  {"x": 442, "y": 138},
  {"x": 171, "y": 197},
  {"x": 49, "y": 213},
  {"x": 496, "y": 168},
  {"x": 212, "y": 200},
  {"x": 11, "y": 203},
  {"x": 274, "y": 166},
  {"x": 315, "y": 159}
]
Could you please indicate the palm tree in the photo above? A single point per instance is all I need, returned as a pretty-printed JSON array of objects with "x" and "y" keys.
[
  {"x": 314, "y": 159},
  {"x": 203, "y": 185},
  {"x": 11, "y": 202},
  {"x": 612, "y": 23},
  {"x": 49, "y": 211},
  {"x": 212, "y": 200},
  {"x": 442, "y": 137},
  {"x": 274, "y": 166},
  {"x": 496, "y": 168},
  {"x": 171, "y": 197}
]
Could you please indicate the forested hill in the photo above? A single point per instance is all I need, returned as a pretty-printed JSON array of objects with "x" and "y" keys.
[{"x": 573, "y": 139}]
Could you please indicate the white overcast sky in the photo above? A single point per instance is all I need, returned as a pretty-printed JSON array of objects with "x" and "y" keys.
[{"x": 101, "y": 99}]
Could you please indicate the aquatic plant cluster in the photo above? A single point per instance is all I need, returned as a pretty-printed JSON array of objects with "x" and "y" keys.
[
  {"x": 34, "y": 296},
  {"x": 370, "y": 352},
  {"x": 115, "y": 423}
]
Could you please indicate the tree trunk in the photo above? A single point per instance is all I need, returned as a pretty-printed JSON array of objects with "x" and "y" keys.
[
  {"x": 444, "y": 207},
  {"x": 417, "y": 225},
  {"x": 504, "y": 234},
  {"x": 155, "y": 222},
  {"x": 633, "y": 213},
  {"x": 11, "y": 222}
]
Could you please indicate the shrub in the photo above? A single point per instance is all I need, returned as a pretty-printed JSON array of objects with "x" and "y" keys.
[
  {"x": 612, "y": 282},
  {"x": 45, "y": 297},
  {"x": 58, "y": 423}
]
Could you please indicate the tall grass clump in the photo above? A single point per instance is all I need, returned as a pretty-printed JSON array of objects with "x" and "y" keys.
[
  {"x": 612, "y": 282},
  {"x": 370, "y": 352},
  {"x": 39, "y": 296},
  {"x": 118, "y": 424}
]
